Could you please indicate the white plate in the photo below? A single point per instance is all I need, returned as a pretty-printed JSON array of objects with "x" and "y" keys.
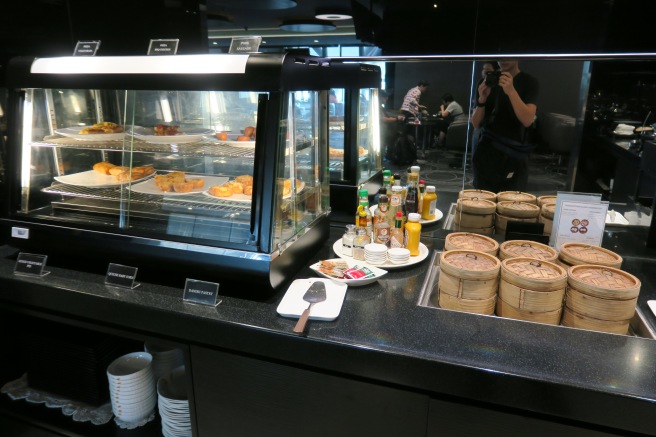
[
  {"x": 241, "y": 144},
  {"x": 94, "y": 179},
  {"x": 74, "y": 132},
  {"x": 149, "y": 187},
  {"x": 242, "y": 198},
  {"x": 189, "y": 135},
  {"x": 623, "y": 133},
  {"x": 388, "y": 265},
  {"x": 438, "y": 216},
  {"x": 351, "y": 282},
  {"x": 293, "y": 305}
]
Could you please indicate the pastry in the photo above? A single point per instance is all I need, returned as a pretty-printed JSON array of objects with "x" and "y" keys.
[
  {"x": 103, "y": 167},
  {"x": 249, "y": 131},
  {"x": 183, "y": 187},
  {"x": 244, "y": 138},
  {"x": 197, "y": 182},
  {"x": 220, "y": 191},
  {"x": 235, "y": 187},
  {"x": 118, "y": 169},
  {"x": 105, "y": 127},
  {"x": 248, "y": 191},
  {"x": 222, "y": 136},
  {"x": 166, "y": 130},
  {"x": 244, "y": 179}
]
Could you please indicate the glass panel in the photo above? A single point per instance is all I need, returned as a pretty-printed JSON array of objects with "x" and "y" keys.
[
  {"x": 336, "y": 128},
  {"x": 369, "y": 150}
]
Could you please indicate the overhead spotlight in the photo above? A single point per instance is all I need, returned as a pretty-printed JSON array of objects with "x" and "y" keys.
[{"x": 307, "y": 26}]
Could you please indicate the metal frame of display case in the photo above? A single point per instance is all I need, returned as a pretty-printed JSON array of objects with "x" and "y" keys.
[{"x": 234, "y": 264}]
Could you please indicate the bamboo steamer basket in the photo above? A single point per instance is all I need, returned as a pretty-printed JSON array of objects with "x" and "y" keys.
[
  {"x": 578, "y": 253},
  {"x": 548, "y": 210},
  {"x": 546, "y": 200},
  {"x": 599, "y": 308},
  {"x": 476, "y": 206},
  {"x": 467, "y": 241},
  {"x": 604, "y": 282},
  {"x": 524, "y": 299},
  {"x": 470, "y": 264},
  {"x": 527, "y": 249},
  {"x": 478, "y": 306},
  {"x": 534, "y": 274},
  {"x": 469, "y": 289},
  {"x": 482, "y": 231},
  {"x": 473, "y": 220},
  {"x": 516, "y": 196},
  {"x": 478, "y": 194},
  {"x": 503, "y": 309},
  {"x": 575, "y": 320},
  {"x": 548, "y": 224},
  {"x": 518, "y": 209},
  {"x": 501, "y": 221}
]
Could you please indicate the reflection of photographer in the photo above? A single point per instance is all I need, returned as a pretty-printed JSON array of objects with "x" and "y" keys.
[{"x": 505, "y": 110}]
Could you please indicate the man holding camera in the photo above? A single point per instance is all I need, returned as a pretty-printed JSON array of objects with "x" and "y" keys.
[{"x": 506, "y": 104}]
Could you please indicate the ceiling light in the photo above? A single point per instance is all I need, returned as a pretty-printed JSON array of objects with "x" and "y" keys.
[
  {"x": 333, "y": 17},
  {"x": 307, "y": 26}
]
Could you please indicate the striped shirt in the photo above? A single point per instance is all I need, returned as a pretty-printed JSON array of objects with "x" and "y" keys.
[{"x": 411, "y": 101}]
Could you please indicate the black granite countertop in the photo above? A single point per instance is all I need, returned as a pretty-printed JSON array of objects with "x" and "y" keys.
[{"x": 383, "y": 335}]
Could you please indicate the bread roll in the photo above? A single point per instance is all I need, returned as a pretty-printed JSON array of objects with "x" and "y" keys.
[
  {"x": 103, "y": 167},
  {"x": 220, "y": 191}
]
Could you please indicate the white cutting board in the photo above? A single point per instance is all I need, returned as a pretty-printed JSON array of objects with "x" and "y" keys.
[{"x": 293, "y": 305}]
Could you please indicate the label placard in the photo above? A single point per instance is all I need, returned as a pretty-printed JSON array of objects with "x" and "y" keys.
[
  {"x": 86, "y": 48},
  {"x": 163, "y": 46},
  {"x": 121, "y": 276},
  {"x": 245, "y": 44},
  {"x": 31, "y": 264},
  {"x": 202, "y": 292}
]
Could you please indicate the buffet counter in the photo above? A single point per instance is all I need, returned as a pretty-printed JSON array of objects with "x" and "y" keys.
[{"x": 385, "y": 366}]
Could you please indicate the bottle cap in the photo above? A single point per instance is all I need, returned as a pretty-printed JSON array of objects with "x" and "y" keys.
[
  {"x": 399, "y": 214},
  {"x": 387, "y": 172},
  {"x": 397, "y": 188},
  {"x": 413, "y": 217},
  {"x": 383, "y": 198},
  {"x": 350, "y": 228},
  {"x": 415, "y": 169},
  {"x": 430, "y": 189},
  {"x": 422, "y": 181},
  {"x": 363, "y": 193}
]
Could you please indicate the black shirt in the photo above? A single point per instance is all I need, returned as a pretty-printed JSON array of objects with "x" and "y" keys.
[{"x": 500, "y": 117}]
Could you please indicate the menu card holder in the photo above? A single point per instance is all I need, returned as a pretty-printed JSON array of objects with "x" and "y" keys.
[
  {"x": 201, "y": 292},
  {"x": 245, "y": 44},
  {"x": 121, "y": 276},
  {"x": 31, "y": 264},
  {"x": 579, "y": 217},
  {"x": 163, "y": 46}
]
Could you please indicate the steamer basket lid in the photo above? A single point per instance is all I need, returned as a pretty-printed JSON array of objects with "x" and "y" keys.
[
  {"x": 470, "y": 260},
  {"x": 546, "y": 200},
  {"x": 513, "y": 205},
  {"x": 476, "y": 205},
  {"x": 579, "y": 253},
  {"x": 534, "y": 269},
  {"x": 604, "y": 278},
  {"x": 517, "y": 196},
  {"x": 528, "y": 249},
  {"x": 468, "y": 241},
  {"x": 479, "y": 194}
]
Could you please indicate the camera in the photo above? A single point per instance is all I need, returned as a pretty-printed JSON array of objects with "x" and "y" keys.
[{"x": 492, "y": 78}]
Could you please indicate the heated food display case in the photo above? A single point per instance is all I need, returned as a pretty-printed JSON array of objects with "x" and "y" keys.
[
  {"x": 211, "y": 165},
  {"x": 354, "y": 154}
]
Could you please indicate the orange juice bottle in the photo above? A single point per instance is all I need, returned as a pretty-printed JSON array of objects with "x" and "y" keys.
[{"x": 413, "y": 233}]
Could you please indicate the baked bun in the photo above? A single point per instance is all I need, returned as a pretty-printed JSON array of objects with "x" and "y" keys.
[
  {"x": 103, "y": 167},
  {"x": 220, "y": 191},
  {"x": 248, "y": 191},
  {"x": 249, "y": 131},
  {"x": 118, "y": 169},
  {"x": 235, "y": 187},
  {"x": 106, "y": 127},
  {"x": 183, "y": 187},
  {"x": 244, "y": 179},
  {"x": 197, "y": 182}
]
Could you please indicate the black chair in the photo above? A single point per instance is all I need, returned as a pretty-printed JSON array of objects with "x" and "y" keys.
[
  {"x": 458, "y": 138},
  {"x": 558, "y": 132}
]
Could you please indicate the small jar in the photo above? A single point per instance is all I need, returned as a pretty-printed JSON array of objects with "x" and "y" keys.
[
  {"x": 361, "y": 240},
  {"x": 348, "y": 240}
]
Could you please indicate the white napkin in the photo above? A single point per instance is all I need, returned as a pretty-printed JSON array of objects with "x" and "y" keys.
[{"x": 624, "y": 129}]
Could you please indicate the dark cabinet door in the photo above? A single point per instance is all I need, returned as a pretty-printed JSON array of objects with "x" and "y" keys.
[{"x": 240, "y": 396}]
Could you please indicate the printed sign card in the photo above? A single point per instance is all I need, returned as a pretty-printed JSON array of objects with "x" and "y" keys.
[
  {"x": 163, "y": 46},
  {"x": 579, "y": 221},
  {"x": 205, "y": 293},
  {"x": 86, "y": 48},
  {"x": 245, "y": 44},
  {"x": 31, "y": 264},
  {"x": 121, "y": 276}
]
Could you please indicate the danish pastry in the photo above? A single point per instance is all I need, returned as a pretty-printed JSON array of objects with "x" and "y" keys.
[
  {"x": 244, "y": 179},
  {"x": 103, "y": 167},
  {"x": 235, "y": 187},
  {"x": 220, "y": 191},
  {"x": 166, "y": 130},
  {"x": 248, "y": 191},
  {"x": 118, "y": 169},
  {"x": 105, "y": 127},
  {"x": 249, "y": 131}
]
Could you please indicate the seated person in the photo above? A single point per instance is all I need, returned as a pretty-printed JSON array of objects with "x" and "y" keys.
[{"x": 450, "y": 111}]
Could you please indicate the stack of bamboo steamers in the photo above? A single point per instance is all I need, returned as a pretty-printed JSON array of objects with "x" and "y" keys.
[
  {"x": 484, "y": 212},
  {"x": 581, "y": 287}
]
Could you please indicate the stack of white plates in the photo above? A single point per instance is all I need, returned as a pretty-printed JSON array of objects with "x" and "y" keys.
[
  {"x": 132, "y": 387},
  {"x": 375, "y": 253},
  {"x": 398, "y": 255},
  {"x": 174, "y": 404},
  {"x": 165, "y": 358}
]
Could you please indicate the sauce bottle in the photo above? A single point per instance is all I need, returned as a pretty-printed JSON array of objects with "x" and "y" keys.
[
  {"x": 413, "y": 234},
  {"x": 396, "y": 235},
  {"x": 428, "y": 204},
  {"x": 381, "y": 222}
]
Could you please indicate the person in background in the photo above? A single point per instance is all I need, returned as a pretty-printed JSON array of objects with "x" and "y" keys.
[
  {"x": 488, "y": 67},
  {"x": 450, "y": 110},
  {"x": 411, "y": 106},
  {"x": 388, "y": 125},
  {"x": 332, "y": 97},
  {"x": 506, "y": 106}
]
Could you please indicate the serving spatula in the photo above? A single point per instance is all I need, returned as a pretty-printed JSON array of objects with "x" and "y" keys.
[{"x": 316, "y": 293}]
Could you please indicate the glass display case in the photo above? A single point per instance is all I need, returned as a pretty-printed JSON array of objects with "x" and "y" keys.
[
  {"x": 354, "y": 154},
  {"x": 213, "y": 164}
]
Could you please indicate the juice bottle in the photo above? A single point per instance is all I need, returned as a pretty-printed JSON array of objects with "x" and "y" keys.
[
  {"x": 412, "y": 234},
  {"x": 396, "y": 235},
  {"x": 428, "y": 203}
]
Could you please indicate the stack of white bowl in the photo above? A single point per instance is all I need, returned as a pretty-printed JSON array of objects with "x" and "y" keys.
[
  {"x": 375, "y": 253},
  {"x": 174, "y": 404},
  {"x": 165, "y": 358},
  {"x": 398, "y": 255},
  {"x": 132, "y": 388}
]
